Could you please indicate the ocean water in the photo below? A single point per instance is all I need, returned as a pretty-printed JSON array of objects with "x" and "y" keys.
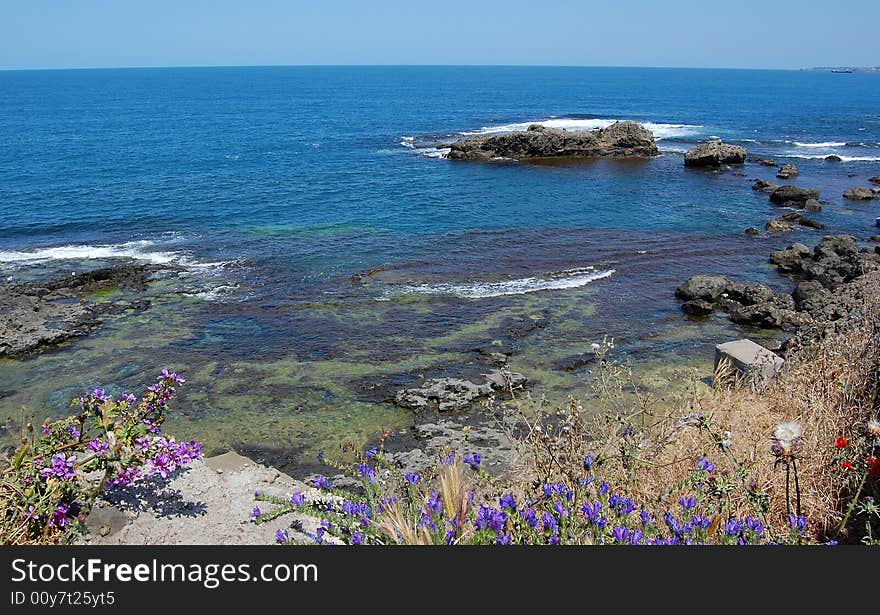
[{"x": 332, "y": 253}]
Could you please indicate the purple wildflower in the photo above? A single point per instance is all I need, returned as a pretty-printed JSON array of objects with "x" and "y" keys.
[
  {"x": 588, "y": 462},
  {"x": 255, "y": 513},
  {"x": 733, "y": 527},
  {"x": 60, "y": 467},
  {"x": 99, "y": 447},
  {"x": 560, "y": 509},
  {"x": 591, "y": 511},
  {"x": 504, "y": 538},
  {"x": 322, "y": 482},
  {"x": 367, "y": 472},
  {"x": 507, "y": 502},
  {"x": 281, "y": 536},
  {"x": 357, "y": 538},
  {"x": 646, "y": 517},
  {"x": 73, "y": 431},
  {"x": 47, "y": 429},
  {"x": 435, "y": 503},
  {"x": 297, "y": 499},
  {"x": 604, "y": 488},
  {"x": 371, "y": 452},
  {"x": 59, "y": 515},
  {"x": 550, "y": 523},
  {"x": 413, "y": 478},
  {"x": 173, "y": 376}
]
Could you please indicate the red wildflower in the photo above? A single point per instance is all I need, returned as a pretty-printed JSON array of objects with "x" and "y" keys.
[
  {"x": 841, "y": 442},
  {"x": 874, "y": 462},
  {"x": 847, "y": 465}
]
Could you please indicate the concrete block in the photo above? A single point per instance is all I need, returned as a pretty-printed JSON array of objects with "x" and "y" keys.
[{"x": 750, "y": 361}]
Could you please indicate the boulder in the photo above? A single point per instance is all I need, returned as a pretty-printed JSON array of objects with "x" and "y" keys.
[
  {"x": 792, "y": 259},
  {"x": 769, "y": 162},
  {"x": 752, "y": 231},
  {"x": 697, "y": 307},
  {"x": 768, "y": 315},
  {"x": 787, "y": 222},
  {"x": 787, "y": 171},
  {"x": 748, "y": 360},
  {"x": 714, "y": 154},
  {"x": 812, "y": 205},
  {"x": 792, "y": 196},
  {"x": 762, "y": 185},
  {"x": 861, "y": 194},
  {"x": 875, "y": 179},
  {"x": 833, "y": 158},
  {"x": 749, "y": 294},
  {"x": 619, "y": 140},
  {"x": 705, "y": 287}
]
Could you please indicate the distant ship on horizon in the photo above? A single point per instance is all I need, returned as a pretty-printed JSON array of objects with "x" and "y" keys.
[{"x": 842, "y": 70}]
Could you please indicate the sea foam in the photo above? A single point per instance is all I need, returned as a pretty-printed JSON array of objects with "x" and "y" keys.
[
  {"x": 570, "y": 278},
  {"x": 660, "y": 130}
]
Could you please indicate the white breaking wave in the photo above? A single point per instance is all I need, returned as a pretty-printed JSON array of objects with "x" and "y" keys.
[
  {"x": 822, "y": 144},
  {"x": 137, "y": 250},
  {"x": 571, "y": 278},
  {"x": 660, "y": 131},
  {"x": 842, "y": 158}
]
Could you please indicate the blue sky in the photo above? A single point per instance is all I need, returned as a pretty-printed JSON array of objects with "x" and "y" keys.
[{"x": 743, "y": 33}]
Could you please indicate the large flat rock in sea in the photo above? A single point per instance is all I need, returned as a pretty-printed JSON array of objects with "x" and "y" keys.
[{"x": 619, "y": 140}]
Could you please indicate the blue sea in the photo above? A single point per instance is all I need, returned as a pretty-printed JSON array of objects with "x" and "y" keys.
[{"x": 331, "y": 253}]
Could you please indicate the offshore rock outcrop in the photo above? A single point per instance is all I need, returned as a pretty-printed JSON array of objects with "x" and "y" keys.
[
  {"x": 714, "y": 154},
  {"x": 619, "y": 140}
]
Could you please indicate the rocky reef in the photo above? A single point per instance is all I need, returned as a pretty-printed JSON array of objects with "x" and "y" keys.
[
  {"x": 619, "y": 140},
  {"x": 34, "y": 315}
]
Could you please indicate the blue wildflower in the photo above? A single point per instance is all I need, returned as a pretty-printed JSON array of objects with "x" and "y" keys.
[
  {"x": 473, "y": 460},
  {"x": 529, "y": 517},
  {"x": 281, "y": 536},
  {"x": 507, "y": 502},
  {"x": 549, "y": 522},
  {"x": 588, "y": 462},
  {"x": 490, "y": 518},
  {"x": 705, "y": 465},
  {"x": 435, "y": 503},
  {"x": 620, "y": 533},
  {"x": 367, "y": 472},
  {"x": 687, "y": 503},
  {"x": 357, "y": 538},
  {"x": 646, "y": 517},
  {"x": 413, "y": 478},
  {"x": 798, "y": 523},
  {"x": 371, "y": 452},
  {"x": 298, "y": 499},
  {"x": 604, "y": 488}
]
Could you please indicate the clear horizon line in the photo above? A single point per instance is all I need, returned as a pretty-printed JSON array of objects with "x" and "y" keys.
[{"x": 395, "y": 65}]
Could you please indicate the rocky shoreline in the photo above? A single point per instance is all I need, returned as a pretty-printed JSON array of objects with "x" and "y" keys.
[{"x": 35, "y": 316}]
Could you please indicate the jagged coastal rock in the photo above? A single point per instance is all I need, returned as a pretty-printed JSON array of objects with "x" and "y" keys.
[
  {"x": 835, "y": 281},
  {"x": 619, "y": 140},
  {"x": 449, "y": 394},
  {"x": 787, "y": 222},
  {"x": 34, "y": 315},
  {"x": 714, "y": 154},
  {"x": 787, "y": 171},
  {"x": 861, "y": 194},
  {"x": 762, "y": 185},
  {"x": 792, "y": 196}
]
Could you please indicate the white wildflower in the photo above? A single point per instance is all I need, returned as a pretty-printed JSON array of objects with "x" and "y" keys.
[{"x": 788, "y": 433}]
